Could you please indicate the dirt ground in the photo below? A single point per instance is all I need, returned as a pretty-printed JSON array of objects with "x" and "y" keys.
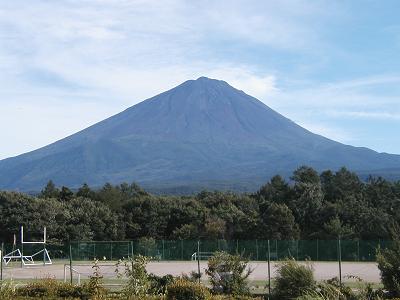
[{"x": 369, "y": 272}]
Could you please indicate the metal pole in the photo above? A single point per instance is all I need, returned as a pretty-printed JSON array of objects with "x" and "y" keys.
[
  {"x": 44, "y": 246},
  {"x": 340, "y": 261},
  {"x": 198, "y": 260},
  {"x": 70, "y": 261},
  {"x": 269, "y": 270},
  {"x": 1, "y": 261},
  {"x": 22, "y": 246}
]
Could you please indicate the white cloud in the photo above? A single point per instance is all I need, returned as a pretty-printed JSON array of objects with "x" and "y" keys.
[
  {"x": 367, "y": 94},
  {"x": 329, "y": 131},
  {"x": 259, "y": 86},
  {"x": 285, "y": 25},
  {"x": 34, "y": 123},
  {"x": 65, "y": 65},
  {"x": 344, "y": 111},
  {"x": 379, "y": 115},
  {"x": 92, "y": 58}
]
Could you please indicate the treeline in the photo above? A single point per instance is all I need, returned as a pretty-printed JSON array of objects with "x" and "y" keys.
[{"x": 310, "y": 206}]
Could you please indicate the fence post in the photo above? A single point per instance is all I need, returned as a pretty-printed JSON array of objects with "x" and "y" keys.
[
  {"x": 22, "y": 250},
  {"x": 131, "y": 249},
  {"x": 70, "y": 261},
  {"x": 269, "y": 269},
  {"x": 317, "y": 251},
  {"x": 198, "y": 260},
  {"x": 340, "y": 261},
  {"x": 1, "y": 261},
  {"x": 44, "y": 247},
  {"x": 111, "y": 248}
]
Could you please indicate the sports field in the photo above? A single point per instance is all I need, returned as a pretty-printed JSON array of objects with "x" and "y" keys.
[{"x": 367, "y": 271}]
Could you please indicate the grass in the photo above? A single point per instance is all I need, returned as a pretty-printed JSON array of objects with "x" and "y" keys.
[{"x": 257, "y": 287}]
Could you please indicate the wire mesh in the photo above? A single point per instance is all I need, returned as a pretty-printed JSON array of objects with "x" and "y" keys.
[{"x": 181, "y": 250}]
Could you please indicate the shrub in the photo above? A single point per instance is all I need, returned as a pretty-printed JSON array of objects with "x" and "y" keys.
[
  {"x": 41, "y": 288},
  {"x": 94, "y": 286},
  {"x": 324, "y": 291},
  {"x": 227, "y": 297},
  {"x": 192, "y": 276},
  {"x": 67, "y": 290},
  {"x": 389, "y": 266},
  {"x": 49, "y": 288},
  {"x": 158, "y": 284},
  {"x": 182, "y": 289},
  {"x": 228, "y": 274},
  {"x": 332, "y": 290},
  {"x": 139, "y": 283},
  {"x": 293, "y": 280},
  {"x": 7, "y": 290}
]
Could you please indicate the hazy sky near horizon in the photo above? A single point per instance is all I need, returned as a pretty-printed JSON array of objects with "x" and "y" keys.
[{"x": 331, "y": 66}]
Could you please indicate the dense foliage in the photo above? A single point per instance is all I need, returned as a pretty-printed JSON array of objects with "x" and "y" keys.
[
  {"x": 389, "y": 266},
  {"x": 182, "y": 289},
  {"x": 309, "y": 206},
  {"x": 293, "y": 280},
  {"x": 228, "y": 274}
]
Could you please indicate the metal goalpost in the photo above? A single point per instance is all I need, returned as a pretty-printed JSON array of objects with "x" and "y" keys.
[{"x": 29, "y": 260}]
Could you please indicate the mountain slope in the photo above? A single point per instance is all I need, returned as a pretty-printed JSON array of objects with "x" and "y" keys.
[{"x": 201, "y": 132}]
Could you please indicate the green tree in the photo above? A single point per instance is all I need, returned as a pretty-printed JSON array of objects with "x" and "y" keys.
[
  {"x": 49, "y": 191},
  {"x": 185, "y": 232},
  {"x": 65, "y": 194},
  {"x": 214, "y": 228},
  {"x": 308, "y": 200},
  {"x": 335, "y": 229},
  {"x": 86, "y": 192},
  {"x": 277, "y": 222},
  {"x": 277, "y": 190}
]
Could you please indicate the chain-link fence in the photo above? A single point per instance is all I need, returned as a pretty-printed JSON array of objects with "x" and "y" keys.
[
  {"x": 314, "y": 250},
  {"x": 257, "y": 250}
]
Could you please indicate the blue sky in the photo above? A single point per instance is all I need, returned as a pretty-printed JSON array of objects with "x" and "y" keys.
[{"x": 331, "y": 66}]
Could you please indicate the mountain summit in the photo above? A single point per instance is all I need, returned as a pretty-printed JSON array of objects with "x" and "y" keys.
[{"x": 201, "y": 133}]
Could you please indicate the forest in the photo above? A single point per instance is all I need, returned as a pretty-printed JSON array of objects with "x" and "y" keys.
[{"x": 310, "y": 205}]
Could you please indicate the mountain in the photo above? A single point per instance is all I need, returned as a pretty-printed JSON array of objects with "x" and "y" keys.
[{"x": 202, "y": 133}]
